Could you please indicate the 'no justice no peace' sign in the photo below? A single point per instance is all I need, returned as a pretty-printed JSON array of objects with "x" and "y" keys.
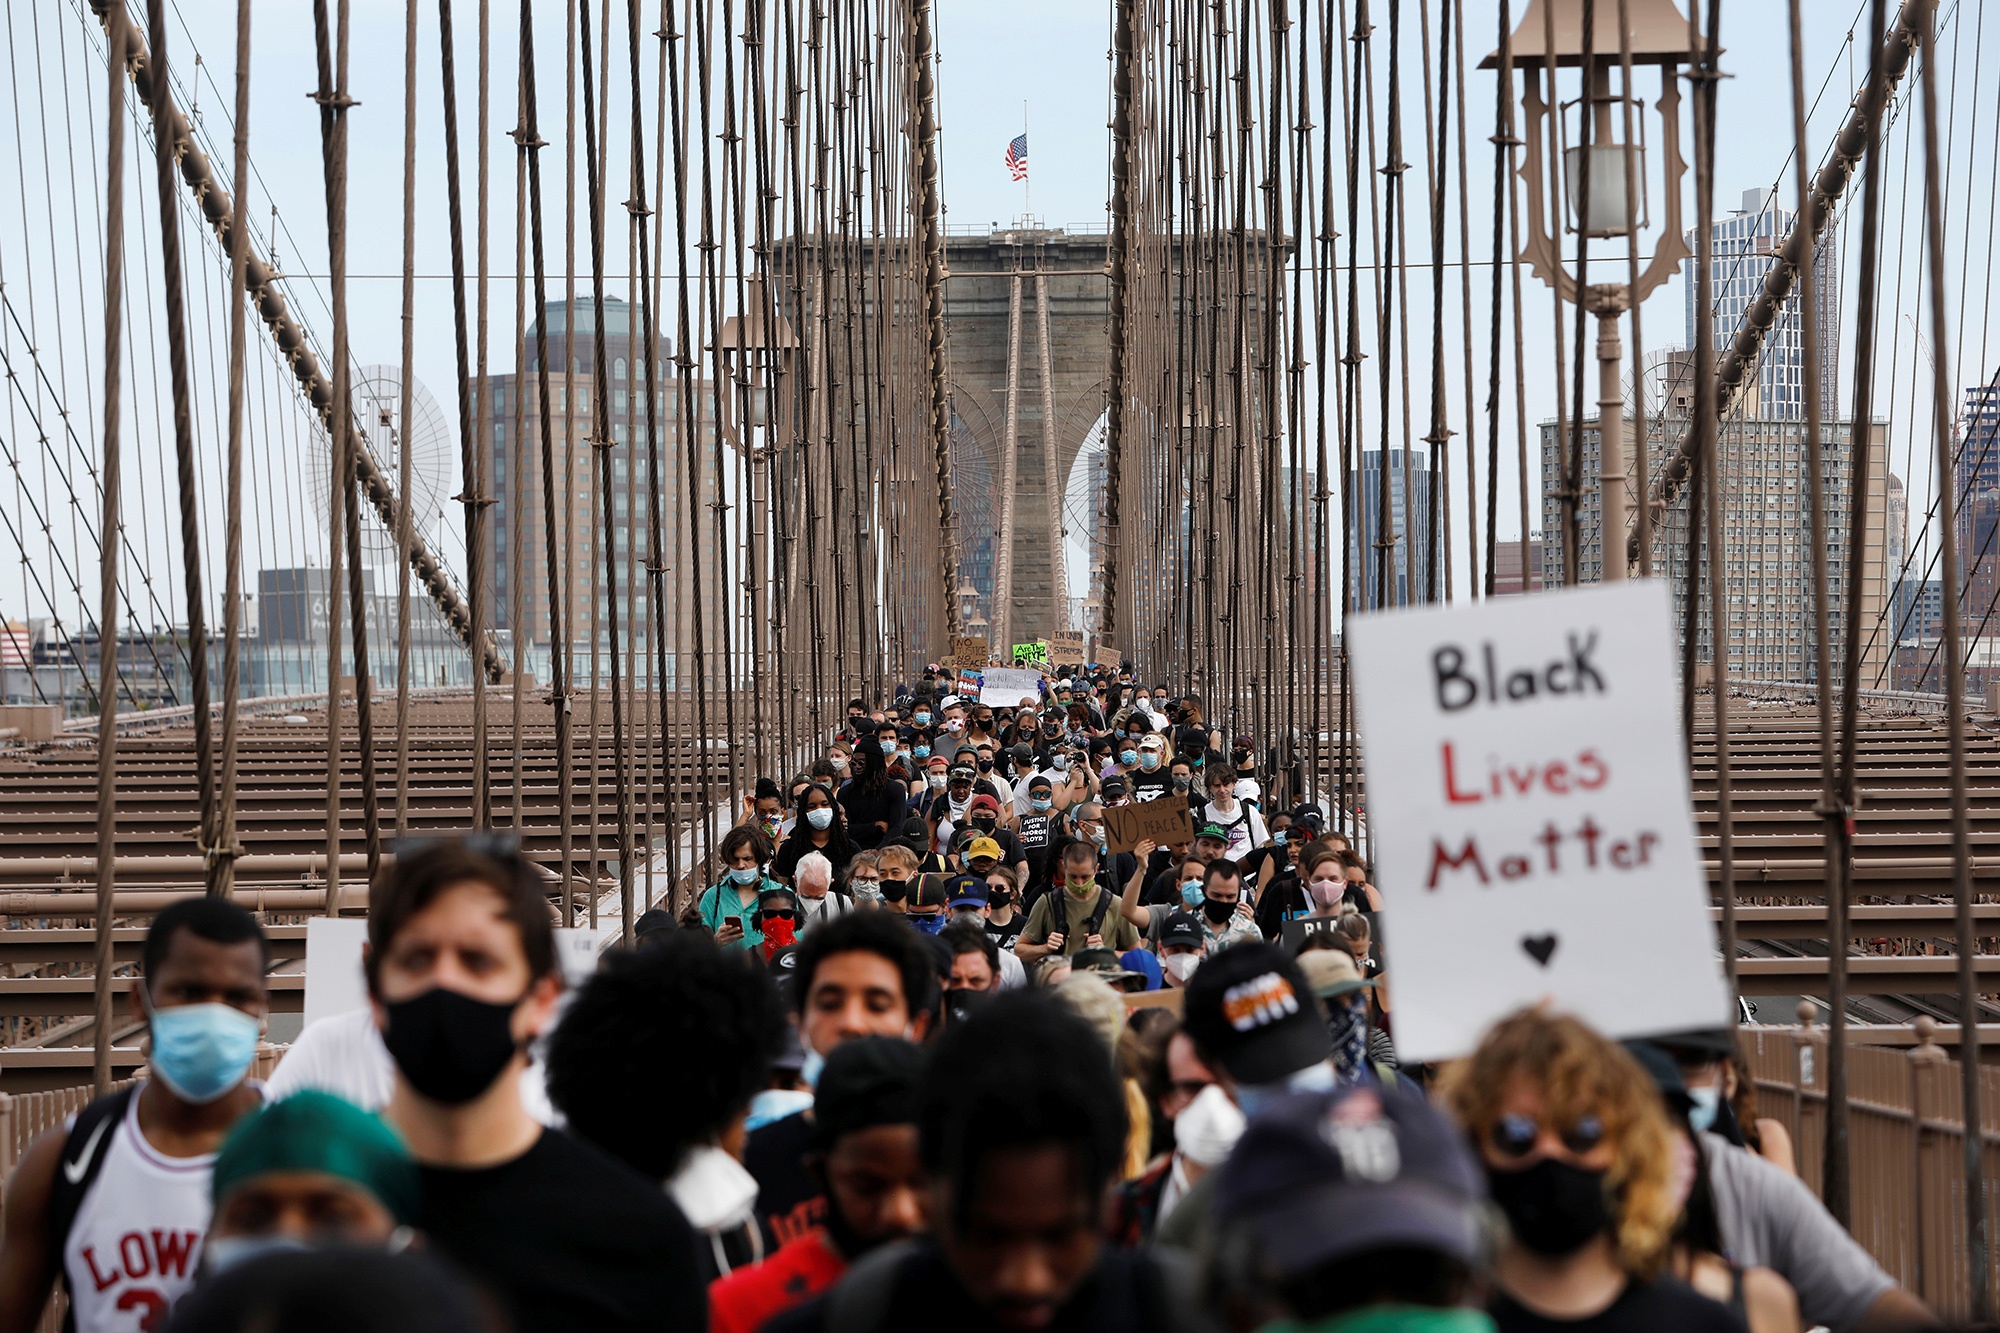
[{"x": 1529, "y": 803}]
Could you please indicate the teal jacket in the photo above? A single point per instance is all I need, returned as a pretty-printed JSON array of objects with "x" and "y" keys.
[{"x": 721, "y": 902}]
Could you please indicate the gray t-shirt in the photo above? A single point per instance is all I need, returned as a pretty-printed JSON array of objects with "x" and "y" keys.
[{"x": 1770, "y": 1219}]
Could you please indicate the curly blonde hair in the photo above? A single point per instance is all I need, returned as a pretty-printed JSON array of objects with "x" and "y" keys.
[{"x": 1581, "y": 1073}]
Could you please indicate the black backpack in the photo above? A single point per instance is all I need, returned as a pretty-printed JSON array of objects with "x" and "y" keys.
[{"x": 83, "y": 1154}]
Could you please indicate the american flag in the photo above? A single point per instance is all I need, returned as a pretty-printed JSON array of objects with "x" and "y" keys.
[{"x": 1017, "y": 157}]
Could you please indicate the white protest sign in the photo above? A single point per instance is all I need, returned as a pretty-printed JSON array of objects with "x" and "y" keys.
[
  {"x": 1005, "y": 687},
  {"x": 1529, "y": 802}
]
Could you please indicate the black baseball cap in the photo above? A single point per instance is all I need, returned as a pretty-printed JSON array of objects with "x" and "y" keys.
[
  {"x": 866, "y": 1082},
  {"x": 1181, "y": 931},
  {"x": 928, "y": 889},
  {"x": 1326, "y": 1176},
  {"x": 1115, "y": 787},
  {"x": 1250, "y": 1010}
]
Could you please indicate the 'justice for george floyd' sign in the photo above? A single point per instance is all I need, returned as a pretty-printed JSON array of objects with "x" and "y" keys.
[{"x": 1529, "y": 802}]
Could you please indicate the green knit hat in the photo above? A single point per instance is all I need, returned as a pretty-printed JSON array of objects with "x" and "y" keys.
[{"x": 316, "y": 1131}]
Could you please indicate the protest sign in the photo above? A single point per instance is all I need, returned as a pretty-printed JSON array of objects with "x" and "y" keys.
[
  {"x": 1066, "y": 648},
  {"x": 1031, "y": 654},
  {"x": 968, "y": 654},
  {"x": 1529, "y": 803},
  {"x": 1126, "y": 826},
  {"x": 1005, "y": 687}
]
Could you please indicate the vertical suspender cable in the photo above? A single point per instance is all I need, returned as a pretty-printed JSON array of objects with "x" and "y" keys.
[
  {"x": 222, "y": 853},
  {"x": 107, "y": 614},
  {"x": 922, "y": 99},
  {"x": 601, "y": 441},
  {"x": 334, "y": 102},
  {"x": 1831, "y": 812},
  {"x": 469, "y": 442},
  {"x": 1124, "y": 56},
  {"x": 1718, "y": 602},
  {"x": 404, "y": 408},
  {"x": 1953, "y": 681},
  {"x": 559, "y": 674},
  {"x": 170, "y": 268},
  {"x": 1503, "y": 144},
  {"x": 1835, "y": 1188}
]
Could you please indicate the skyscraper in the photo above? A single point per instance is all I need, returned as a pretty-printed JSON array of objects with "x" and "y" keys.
[
  {"x": 1767, "y": 531},
  {"x": 513, "y": 464},
  {"x": 1746, "y": 246},
  {"x": 1408, "y": 542},
  {"x": 1976, "y": 500}
]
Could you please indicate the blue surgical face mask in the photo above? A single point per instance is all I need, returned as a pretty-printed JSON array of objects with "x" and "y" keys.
[
  {"x": 1191, "y": 892},
  {"x": 1128, "y": 757},
  {"x": 1040, "y": 804},
  {"x": 201, "y": 1051},
  {"x": 1280, "y": 837},
  {"x": 1253, "y": 1098},
  {"x": 921, "y": 751},
  {"x": 889, "y": 746},
  {"x": 743, "y": 874},
  {"x": 922, "y": 719},
  {"x": 1707, "y": 1101},
  {"x": 219, "y": 1254}
]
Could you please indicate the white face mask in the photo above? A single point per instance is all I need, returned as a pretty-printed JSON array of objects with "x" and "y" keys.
[
  {"x": 1208, "y": 1127},
  {"x": 820, "y": 818},
  {"x": 1180, "y": 966}
]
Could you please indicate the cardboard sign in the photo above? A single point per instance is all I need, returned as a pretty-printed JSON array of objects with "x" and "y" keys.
[
  {"x": 1529, "y": 802},
  {"x": 1163, "y": 822},
  {"x": 1155, "y": 999},
  {"x": 967, "y": 653},
  {"x": 1066, "y": 648},
  {"x": 1005, "y": 687}
]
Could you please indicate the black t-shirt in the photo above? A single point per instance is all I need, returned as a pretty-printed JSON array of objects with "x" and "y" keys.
[
  {"x": 1003, "y": 937},
  {"x": 790, "y": 1202},
  {"x": 1149, "y": 786},
  {"x": 1664, "y": 1305},
  {"x": 567, "y": 1238},
  {"x": 1129, "y": 1291}
]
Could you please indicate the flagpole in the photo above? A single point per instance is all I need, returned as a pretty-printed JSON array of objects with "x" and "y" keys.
[{"x": 1027, "y": 190}]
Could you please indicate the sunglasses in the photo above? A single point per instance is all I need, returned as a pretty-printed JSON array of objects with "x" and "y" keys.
[
  {"x": 1516, "y": 1135},
  {"x": 780, "y": 914}
]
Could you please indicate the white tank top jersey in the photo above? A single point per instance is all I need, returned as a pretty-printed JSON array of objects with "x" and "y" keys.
[{"x": 137, "y": 1237}]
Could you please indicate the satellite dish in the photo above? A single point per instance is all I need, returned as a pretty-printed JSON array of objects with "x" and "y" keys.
[{"x": 377, "y": 398}]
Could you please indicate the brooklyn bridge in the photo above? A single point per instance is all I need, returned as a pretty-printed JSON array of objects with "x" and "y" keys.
[{"x": 591, "y": 425}]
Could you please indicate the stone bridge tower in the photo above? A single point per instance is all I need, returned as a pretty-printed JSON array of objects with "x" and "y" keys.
[{"x": 1027, "y": 314}]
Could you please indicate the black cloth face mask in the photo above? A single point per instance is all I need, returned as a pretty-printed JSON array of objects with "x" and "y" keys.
[
  {"x": 1554, "y": 1208},
  {"x": 450, "y": 1046}
]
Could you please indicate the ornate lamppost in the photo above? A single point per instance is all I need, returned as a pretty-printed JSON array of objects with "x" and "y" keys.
[{"x": 1593, "y": 158}]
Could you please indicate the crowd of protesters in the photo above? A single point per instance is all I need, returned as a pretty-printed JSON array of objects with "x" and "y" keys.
[{"x": 930, "y": 1054}]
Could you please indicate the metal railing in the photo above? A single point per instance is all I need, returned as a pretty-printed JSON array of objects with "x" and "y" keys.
[{"x": 1908, "y": 1132}]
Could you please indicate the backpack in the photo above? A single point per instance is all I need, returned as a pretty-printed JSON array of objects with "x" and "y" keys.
[{"x": 83, "y": 1153}]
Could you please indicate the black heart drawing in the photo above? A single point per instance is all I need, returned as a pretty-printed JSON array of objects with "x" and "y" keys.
[{"x": 1540, "y": 947}]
